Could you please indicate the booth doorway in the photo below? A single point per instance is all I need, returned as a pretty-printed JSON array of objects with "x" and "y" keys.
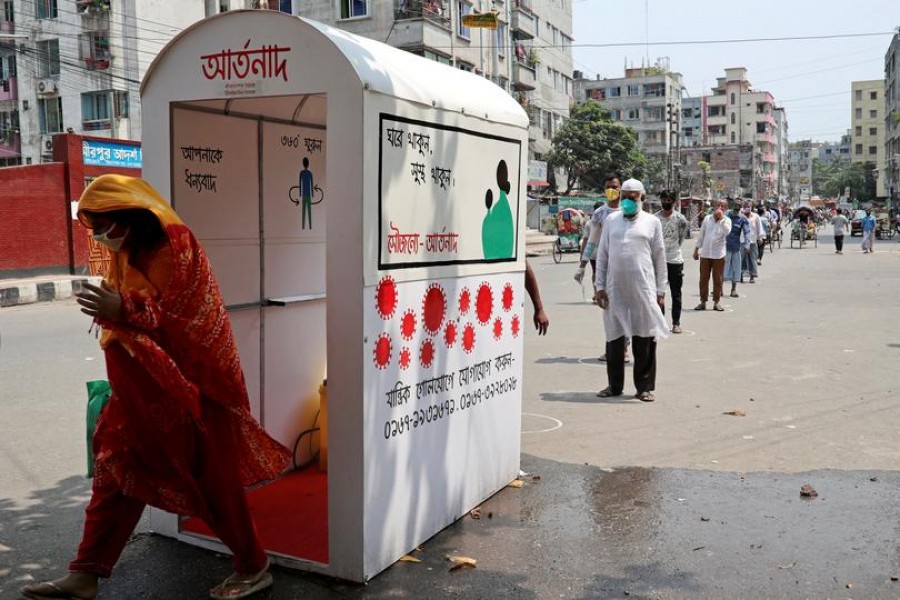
[{"x": 249, "y": 177}]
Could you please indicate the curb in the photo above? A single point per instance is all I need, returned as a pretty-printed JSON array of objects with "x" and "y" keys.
[{"x": 26, "y": 292}]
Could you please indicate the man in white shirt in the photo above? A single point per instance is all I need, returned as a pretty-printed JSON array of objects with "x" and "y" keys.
[
  {"x": 675, "y": 228},
  {"x": 751, "y": 258},
  {"x": 710, "y": 251},
  {"x": 631, "y": 265}
]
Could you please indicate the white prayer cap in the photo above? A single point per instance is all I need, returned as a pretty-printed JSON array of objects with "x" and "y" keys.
[{"x": 633, "y": 185}]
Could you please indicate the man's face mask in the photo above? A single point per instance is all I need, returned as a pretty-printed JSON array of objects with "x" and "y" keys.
[
  {"x": 612, "y": 194},
  {"x": 746, "y": 211},
  {"x": 629, "y": 206},
  {"x": 114, "y": 244},
  {"x": 666, "y": 205}
]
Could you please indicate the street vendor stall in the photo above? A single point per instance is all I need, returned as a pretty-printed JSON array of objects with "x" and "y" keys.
[{"x": 362, "y": 208}]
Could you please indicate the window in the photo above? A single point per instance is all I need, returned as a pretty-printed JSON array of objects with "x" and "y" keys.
[
  {"x": 464, "y": 9},
  {"x": 858, "y": 95},
  {"x": 733, "y": 118},
  {"x": 760, "y": 128},
  {"x": 95, "y": 111},
  {"x": 615, "y": 92},
  {"x": 732, "y": 137},
  {"x": 873, "y": 131},
  {"x": 858, "y": 129},
  {"x": 46, "y": 9},
  {"x": 634, "y": 89},
  {"x": 351, "y": 9},
  {"x": 873, "y": 114},
  {"x": 8, "y": 11},
  {"x": 685, "y": 113},
  {"x": 732, "y": 97},
  {"x": 120, "y": 104},
  {"x": 873, "y": 95},
  {"x": 857, "y": 113},
  {"x": 48, "y": 57},
  {"x": 50, "y": 115},
  {"x": 95, "y": 49},
  {"x": 9, "y": 126},
  {"x": 873, "y": 150},
  {"x": 632, "y": 114},
  {"x": 688, "y": 132},
  {"x": 760, "y": 108},
  {"x": 501, "y": 39},
  {"x": 858, "y": 149},
  {"x": 655, "y": 90}
]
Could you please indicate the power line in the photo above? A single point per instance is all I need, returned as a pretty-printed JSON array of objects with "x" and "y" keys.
[{"x": 734, "y": 40}]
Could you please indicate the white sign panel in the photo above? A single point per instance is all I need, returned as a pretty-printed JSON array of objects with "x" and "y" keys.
[
  {"x": 443, "y": 383},
  {"x": 447, "y": 195}
]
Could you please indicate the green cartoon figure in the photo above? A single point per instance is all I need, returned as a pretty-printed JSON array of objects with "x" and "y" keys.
[{"x": 498, "y": 227}]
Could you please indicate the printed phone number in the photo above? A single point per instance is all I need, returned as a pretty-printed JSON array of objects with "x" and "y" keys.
[{"x": 435, "y": 412}]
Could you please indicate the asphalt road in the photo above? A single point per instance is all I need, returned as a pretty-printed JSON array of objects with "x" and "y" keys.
[{"x": 672, "y": 499}]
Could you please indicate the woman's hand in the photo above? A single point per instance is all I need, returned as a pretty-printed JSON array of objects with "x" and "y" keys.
[{"x": 100, "y": 302}]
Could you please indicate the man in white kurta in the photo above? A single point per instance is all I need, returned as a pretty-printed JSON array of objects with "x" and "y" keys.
[{"x": 631, "y": 288}]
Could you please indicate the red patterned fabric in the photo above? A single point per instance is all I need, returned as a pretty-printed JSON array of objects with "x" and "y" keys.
[{"x": 177, "y": 332}]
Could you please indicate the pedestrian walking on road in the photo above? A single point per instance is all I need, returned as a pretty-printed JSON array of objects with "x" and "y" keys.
[
  {"x": 765, "y": 232},
  {"x": 751, "y": 256},
  {"x": 631, "y": 288},
  {"x": 675, "y": 228},
  {"x": 868, "y": 232},
  {"x": 840, "y": 224},
  {"x": 737, "y": 245},
  {"x": 177, "y": 432},
  {"x": 710, "y": 251}
]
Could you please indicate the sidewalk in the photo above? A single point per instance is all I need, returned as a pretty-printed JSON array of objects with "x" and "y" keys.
[{"x": 14, "y": 292}]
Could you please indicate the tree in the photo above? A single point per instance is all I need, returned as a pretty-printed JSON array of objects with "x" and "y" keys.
[
  {"x": 831, "y": 180},
  {"x": 591, "y": 145}
]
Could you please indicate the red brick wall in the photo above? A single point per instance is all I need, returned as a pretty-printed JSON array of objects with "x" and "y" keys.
[{"x": 34, "y": 215}]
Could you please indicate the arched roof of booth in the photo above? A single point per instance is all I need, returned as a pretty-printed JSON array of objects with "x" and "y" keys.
[{"x": 384, "y": 69}]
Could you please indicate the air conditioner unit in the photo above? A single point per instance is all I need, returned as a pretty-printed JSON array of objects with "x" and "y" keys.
[
  {"x": 48, "y": 86},
  {"x": 47, "y": 144}
]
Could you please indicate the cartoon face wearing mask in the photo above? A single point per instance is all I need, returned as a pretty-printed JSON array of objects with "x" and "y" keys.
[{"x": 632, "y": 194}]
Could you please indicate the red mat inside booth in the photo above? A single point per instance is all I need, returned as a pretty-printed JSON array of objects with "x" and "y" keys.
[{"x": 291, "y": 515}]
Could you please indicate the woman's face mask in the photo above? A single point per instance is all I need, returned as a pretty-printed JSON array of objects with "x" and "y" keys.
[
  {"x": 114, "y": 244},
  {"x": 629, "y": 207}
]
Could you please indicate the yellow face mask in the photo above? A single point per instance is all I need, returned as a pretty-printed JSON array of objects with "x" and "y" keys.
[{"x": 612, "y": 194}]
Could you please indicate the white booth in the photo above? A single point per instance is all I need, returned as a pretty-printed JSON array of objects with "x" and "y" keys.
[{"x": 363, "y": 210}]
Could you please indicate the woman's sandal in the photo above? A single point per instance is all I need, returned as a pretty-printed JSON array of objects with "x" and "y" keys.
[
  {"x": 235, "y": 587},
  {"x": 608, "y": 393},
  {"x": 55, "y": 593}
]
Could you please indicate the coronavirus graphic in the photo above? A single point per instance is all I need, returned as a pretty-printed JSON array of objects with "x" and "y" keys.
[
  {"x": 498, "y": 328},
  {"x": 426, "y": 353},
  {"x": 434, "y": 309},
  {"x": 408, "y": 325},
  {"x": 386, "y": 297},
  {"x": 507, "y": 297},
  {"x": 405, "y": 358},
  {"x": 468, "y": 338},
  {"x": 465, "y": 301},
  {"x": 515, "y": 326},
  {"x": 382, "y": 351},
  {"x": 484, "y": 303},
  {"x": 450, "y": 334}
]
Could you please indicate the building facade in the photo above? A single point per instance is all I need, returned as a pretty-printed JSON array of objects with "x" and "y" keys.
[
  {"x": 800, "y": 158},
  {"x": 867, "y": 106},
  {"x": 720, "y": 171},
  {"x": 892, "y": 119}
]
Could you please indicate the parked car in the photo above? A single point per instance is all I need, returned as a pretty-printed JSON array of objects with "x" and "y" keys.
[{"x": 856, "y": 217}]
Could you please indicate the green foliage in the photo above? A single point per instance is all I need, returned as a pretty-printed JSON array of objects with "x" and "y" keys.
[
  {"x": 591, "y": 145},
  {"x": 830, "y": 180}
]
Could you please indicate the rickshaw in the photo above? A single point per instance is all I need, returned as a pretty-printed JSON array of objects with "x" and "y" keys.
[
  {"x": 801, "y": 231},
  {"x": 569, "y": 225}
]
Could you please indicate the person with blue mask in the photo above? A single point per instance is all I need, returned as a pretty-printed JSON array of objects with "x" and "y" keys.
[{"x": 631, "y": 289}]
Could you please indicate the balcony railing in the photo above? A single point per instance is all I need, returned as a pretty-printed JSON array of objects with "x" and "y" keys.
[
  {"x": 433, "y": 10},
  {"x": 524, "y": 77},
  {"x": 92, "y": 7},
  {"x": 95, "y": 124},
  {"x": 523, "y": 23},
  {"x": 97, "y": 63},
  {"x": 9, "y": 89},
  {"x": 10, "y": 145}
]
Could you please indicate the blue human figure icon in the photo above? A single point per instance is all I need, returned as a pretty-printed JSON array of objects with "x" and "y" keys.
[{"x": 306, "y": 192}]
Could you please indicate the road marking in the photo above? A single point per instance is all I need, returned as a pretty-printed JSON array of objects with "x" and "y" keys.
[{"x": 557, "y": 422}]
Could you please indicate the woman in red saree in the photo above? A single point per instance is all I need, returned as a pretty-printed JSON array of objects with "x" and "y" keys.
[{"x": 177, "y": 433}]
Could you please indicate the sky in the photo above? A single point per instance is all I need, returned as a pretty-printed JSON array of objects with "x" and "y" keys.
[{"x": 810, "y": 78}]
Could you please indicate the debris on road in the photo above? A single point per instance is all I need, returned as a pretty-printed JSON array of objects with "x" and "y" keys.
[
  {"x": 475, "y": 513},
  {"x": 808, "y": 491},
  {"x": 408, "y": 558},
  {"x": 515, "y": 483},
  {"x": 735, "y": 413},
  {"x": 461, "y": 562}
]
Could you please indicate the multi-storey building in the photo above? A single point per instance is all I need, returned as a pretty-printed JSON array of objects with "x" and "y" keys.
[
  {"x": 892, "y": 119},
  {"x": 647, "y": 100},
  {"x": 529, "y": 54},
  {"x": 692, "y": 122},
  {"x": 867, "y": 107},
  {"x": 832, "y": 152},
  {"x": 782, "y": 146},
  {"x": 800, "y": 157},
  {"x": 78, "y": 63}
]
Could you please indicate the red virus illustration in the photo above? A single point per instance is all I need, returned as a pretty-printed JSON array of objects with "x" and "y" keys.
[
  {"x": 386, "y": 297},
  {"x": 405, "y": 358},
  {"x": 408, "y": 325},
  {"x": 498, "y": 328},
  {"x": 484, "y": 303},
  {"x": 434, "y": 308},
  {"x": 426, "y": 353},
  {"x": 515, "y": 326},
  {"x": 450, "y": 334},
  {"x": 465, "y": 301},
  {"x": 382, "y": 351},
  {"x": 468, "y": 338},
  {"x": 507, "y": 297}
]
